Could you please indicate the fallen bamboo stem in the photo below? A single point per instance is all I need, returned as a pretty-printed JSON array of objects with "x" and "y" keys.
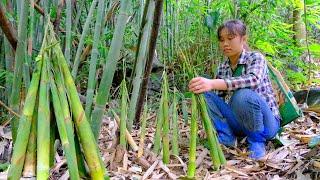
[
  {"x": 129, "y": 138},
  {"x": 9, "y": 109}
]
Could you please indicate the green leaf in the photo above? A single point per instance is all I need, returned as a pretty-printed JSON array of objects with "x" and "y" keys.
[
  {"x": 315, "y": 49},
  {"x": 265, "y": 47}
]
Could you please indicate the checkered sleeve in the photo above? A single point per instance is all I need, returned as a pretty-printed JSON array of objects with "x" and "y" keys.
[{"x": 256, "y": 69}]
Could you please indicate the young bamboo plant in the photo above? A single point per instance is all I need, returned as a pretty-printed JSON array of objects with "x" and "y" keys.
[
  {"x": 163, "y": 123},
  {"x": 157, "y": 136},
  {"x": 175, "y": 127},
  {"x": 143, "y": 130},
  {"x": 166, "y": 121},
  {"x": 123, "y": 115}
]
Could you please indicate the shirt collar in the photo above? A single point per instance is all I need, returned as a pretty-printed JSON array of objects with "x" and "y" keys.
[{"x": 241, "y": 60}]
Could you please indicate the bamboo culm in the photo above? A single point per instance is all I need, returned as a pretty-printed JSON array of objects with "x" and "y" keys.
[
  {"x": 18, "y": 155},
  {"x": 94, "y": 57},
  {"x": 166, "y": 121},
  {"x": 193, "y": 137},
  {"x": 111, "y": 63},
  {"x": 85, "y": 31}
]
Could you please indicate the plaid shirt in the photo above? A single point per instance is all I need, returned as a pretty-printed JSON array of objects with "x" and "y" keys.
[{"x": 254, "y": 76}]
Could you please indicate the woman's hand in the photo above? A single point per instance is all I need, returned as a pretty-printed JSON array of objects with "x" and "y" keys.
[{"x": 200, "y": 85}]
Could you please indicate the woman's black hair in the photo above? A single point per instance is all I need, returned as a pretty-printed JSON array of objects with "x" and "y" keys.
[{"x": 234, "y": 27}]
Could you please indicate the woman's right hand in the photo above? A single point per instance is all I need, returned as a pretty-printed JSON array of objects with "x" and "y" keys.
[{"x": 200, "y": 84}]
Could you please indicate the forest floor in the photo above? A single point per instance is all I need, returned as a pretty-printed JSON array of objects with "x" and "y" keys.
[{"x": 293, "y": 160}]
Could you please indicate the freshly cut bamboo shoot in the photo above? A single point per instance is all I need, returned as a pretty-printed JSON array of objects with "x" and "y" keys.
[
  {"x": 193, "y": 137},
  {"x": 68, "y": 147},
  {"x": 29, "y": 168},
  {"x": 85, "y": 134},
  {"x": 20, "y": 145},
  {"x": 43, "y": 130}
]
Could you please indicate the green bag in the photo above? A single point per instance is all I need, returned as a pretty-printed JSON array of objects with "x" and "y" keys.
[{"x": 288, "y": 107}]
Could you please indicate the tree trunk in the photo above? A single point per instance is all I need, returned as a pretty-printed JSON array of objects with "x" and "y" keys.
[
  {"x": 298, "y": 23},
  {"x": 152, "y": 46},
  {"x": 7, "y": 28}
]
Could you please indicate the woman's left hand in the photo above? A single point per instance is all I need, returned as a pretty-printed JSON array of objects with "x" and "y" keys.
[{"x": 200, "y": 85}]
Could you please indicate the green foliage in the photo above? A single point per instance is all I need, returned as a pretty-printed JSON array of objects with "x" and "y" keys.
[
  {"x": 315, "y": 50},
  {"x": 296, "y": 77}
]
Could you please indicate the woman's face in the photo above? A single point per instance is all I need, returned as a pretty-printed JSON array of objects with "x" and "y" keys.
[{"x": 230, "y": 44}]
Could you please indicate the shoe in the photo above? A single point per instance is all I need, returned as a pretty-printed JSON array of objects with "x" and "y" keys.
[{"x": 257, "y": 150}]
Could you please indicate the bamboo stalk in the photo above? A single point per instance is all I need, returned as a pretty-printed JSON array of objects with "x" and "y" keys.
[
  {"x": 193, "y": 138},
  {"x": 220, "y": 152},
  {"x": 20, "y": 145},
  {"x": 184, "y": 110},
  {"x": 67, "y": 51},
  {"x": 28, "y": 60},
  {"x": 151, "y": 51},
  {"x": 123, "y": 115},
  {"x": 94, "y": 57},
  {"x": 19, "y": 59},
  {"x": 166, "y": 122},
  {"x": 9, "y": 58},
  {"x": 86, "y": 136},
  {"x": 29, "y": 168},
  {"x": 141, "y": 61},
  {"x": 142, "y": 26},
  {"x": 157, "y": 136},
  {"x": 83, "y": 170},
  {"x": 78, "y": 15},
  {"x": 111, "y": 63},
  {"x": 68, "y": 147},
  {"x": 85, "y": 31},
  {"x": 143, "y": 131},
  {"x": 175, "y": 126},
  {"x": 210, "y": 133},
  {"x": 43, "y": 135},
  {"x": 54, "y": 142},
  {"x": 68, "y": 121}
]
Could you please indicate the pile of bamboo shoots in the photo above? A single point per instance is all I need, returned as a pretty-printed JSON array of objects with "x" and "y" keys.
[{"x": 52, "y": 102}]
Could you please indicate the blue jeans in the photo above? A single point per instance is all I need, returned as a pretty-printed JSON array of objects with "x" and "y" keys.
[{"x": 247, "y": 114}]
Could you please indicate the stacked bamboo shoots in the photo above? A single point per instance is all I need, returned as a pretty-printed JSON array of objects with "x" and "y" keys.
[{"x": 52, "y": 89}]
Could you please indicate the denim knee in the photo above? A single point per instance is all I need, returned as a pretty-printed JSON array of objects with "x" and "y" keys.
[{"x": 246, "y": 105}]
